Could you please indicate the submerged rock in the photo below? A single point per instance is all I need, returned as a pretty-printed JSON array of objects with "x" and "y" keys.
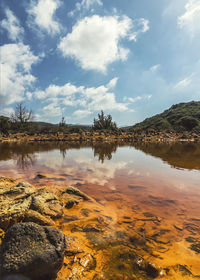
[{"x": 32, "y": 251}]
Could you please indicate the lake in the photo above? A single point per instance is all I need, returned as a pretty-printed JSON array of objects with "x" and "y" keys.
[{"x": 152, "y": 190}]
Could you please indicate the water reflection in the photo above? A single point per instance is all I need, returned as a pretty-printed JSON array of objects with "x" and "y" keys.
[
  {"x": 104, "y": 151},
  {"x": 178, "y": 155},
  {"x": 25, "y": 161}
]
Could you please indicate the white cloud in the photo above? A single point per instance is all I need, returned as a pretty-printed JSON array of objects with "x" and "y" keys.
[
  {"x": 54, "y": 91},
  {"x": 12, "y": 25},
  {"x": 140, "y": 25},
  {"x": 154, "y": 68},
  {"x": 137, "y": 98},
  {"x": 134, "y": 99},
  {"x": 51, "y": 109},
  {"x": 101, "y": 99},
  {"x": 95, "y": 41},
  {"x": 7, "y": 111},
  {"x": 183, "y": 83},
  {"x": 82, "y": 113},
  {"x": 87, "y": 100},
  {"x": 85, "y": 5},
  {"x": 42, "y": 14},
  {"x": 191, "y": 18},
  {"x": 112, "y": 83},
  {"x": 16, "y": 78}
]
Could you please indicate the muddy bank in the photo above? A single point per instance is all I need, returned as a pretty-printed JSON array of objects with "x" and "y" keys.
[
  {"x": 105, "y": 241},
  {"x": 104, "y": 137}
]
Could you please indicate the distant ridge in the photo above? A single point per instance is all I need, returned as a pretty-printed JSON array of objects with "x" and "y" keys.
[{"x": 180, "y": 117}]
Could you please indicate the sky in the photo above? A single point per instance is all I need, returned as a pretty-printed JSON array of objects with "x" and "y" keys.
[{"x": 130, "y": 58}]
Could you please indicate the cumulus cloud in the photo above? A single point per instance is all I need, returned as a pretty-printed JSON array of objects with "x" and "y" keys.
[
  {"x": 87, "y": 100},
  {"x": 42, "y": 14},
  {"x": 191, "y": 18},
  {"x": 95, "y": 42},
  {"x": 12, "y": 25},
  {"x": 16, "y": 63}
]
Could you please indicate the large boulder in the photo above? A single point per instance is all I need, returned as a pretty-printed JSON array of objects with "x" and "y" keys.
[{"x": 32, "y": 251}]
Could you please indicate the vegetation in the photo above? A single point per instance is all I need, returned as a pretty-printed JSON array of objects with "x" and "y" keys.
[
  {"x": 104, "y": 122},
  {"x": 21, "y": 114},
  {"x": 179, "y": 118},
  {"x": 4, "y": 125},
  {"x": 183, "y": 117}
]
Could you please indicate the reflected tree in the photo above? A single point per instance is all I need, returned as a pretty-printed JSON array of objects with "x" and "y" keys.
[
  {"x": 25, "y": 161},
  {"x": 104, "y": 151}
]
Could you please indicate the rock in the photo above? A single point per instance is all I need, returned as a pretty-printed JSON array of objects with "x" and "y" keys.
[
  {"x": 40, "y": 176},
  {"x": 195, "y": 247},
  {"x": 150, "y": 269},
  {"x": 77, "y": 192},
  {"x": 47, "y": 204},
  {"x": 87, "y": 261},
  {"x": 12, "y": 211},
  {"x": 70, "y": 201},
  {"x": 21, "y": 190},
  {"x": 35, "y": 217},
  {"x": 14, "y": 203},
  {"x": 32, "y": 251}
]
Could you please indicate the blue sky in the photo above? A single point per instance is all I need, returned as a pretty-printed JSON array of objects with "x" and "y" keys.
[{"x": 130, "y": 58}]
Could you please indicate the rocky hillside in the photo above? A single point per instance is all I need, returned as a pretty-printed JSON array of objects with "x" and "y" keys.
[{"x": 180, "y": 117}]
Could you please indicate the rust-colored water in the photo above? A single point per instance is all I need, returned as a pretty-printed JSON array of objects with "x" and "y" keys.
[{"x": 151, "y": 192}]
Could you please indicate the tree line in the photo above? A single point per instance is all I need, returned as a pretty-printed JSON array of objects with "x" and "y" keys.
[{"x": 21, "y": 120}]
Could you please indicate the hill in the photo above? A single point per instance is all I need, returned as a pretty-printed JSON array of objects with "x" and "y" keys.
[{"x": 179, "y": 118}]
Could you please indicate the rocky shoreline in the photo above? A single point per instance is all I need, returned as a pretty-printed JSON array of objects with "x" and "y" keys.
[
  {"x": 104, "y": 137},
  {"x": 59, "y": 232}
]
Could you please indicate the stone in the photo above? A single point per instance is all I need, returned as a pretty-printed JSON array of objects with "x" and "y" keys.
[
  {"x": 32, "y": 251},
  {"x": 69, "y": 200},
  {"x": 35, "y": 217},
  {"x": 47, "y": 204},
  {"x": 77, "y": 192},
  {"x": 13, "y": 211}
]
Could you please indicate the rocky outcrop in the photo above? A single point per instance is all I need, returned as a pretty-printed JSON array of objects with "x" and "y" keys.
[
  {"x": 47, "y": 204},
  {"x": 33, "y": 251},
  {"x": 23, "y": 202}
]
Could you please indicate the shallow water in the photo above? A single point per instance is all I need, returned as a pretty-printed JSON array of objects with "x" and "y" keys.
[{"x": 150, "y": 190}]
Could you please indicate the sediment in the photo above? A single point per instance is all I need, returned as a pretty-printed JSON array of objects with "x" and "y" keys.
[{"x": 64, "y": 234}]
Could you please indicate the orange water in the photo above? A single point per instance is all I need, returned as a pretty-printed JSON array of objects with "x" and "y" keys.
[{"x": 150, "y": 190}]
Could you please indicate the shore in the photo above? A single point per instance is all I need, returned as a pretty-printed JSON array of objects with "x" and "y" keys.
[{"x": 103, "y": 137}]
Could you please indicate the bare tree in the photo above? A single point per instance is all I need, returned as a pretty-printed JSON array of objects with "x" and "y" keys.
[
  {"x": 22, "y": 114},
  {"x": 62, "y": 122}
]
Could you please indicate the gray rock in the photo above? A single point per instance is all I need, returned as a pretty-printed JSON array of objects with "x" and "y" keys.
[{"x": 32, "y": 251}]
